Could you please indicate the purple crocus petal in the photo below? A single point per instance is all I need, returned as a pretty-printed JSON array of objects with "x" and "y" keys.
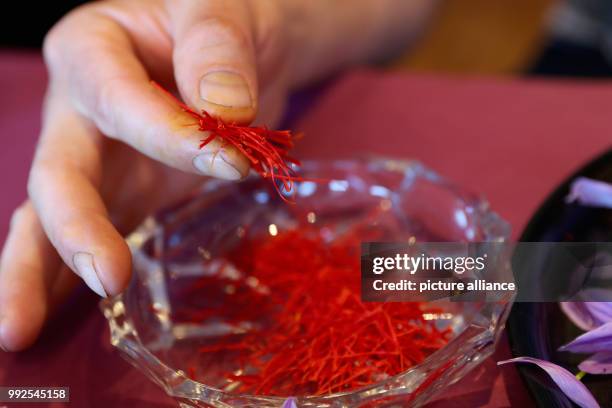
[
  {"x": 594, "y": 341},
  {"x": 590, "y": 192},
  {"x": 598, "y": 363},
  {"x": 566, "y": 381},
  {"x": 290, "y": 403},
  {"x": 588, "y": 315}
]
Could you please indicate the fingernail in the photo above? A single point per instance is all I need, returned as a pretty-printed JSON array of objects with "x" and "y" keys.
[
  {"x": 226, "y": 89},
  {"x": 84, "y": 265},
  {"x": 214, "y": 164}
]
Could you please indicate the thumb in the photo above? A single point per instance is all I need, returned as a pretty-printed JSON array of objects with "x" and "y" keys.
[{"x": 214, "y": 58}]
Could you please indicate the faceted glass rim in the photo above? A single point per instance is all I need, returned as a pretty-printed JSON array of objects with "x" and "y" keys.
[{"x": 177, "y": 384}]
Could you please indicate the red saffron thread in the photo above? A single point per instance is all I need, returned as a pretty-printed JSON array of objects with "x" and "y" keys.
[
  {"x": 320, "y": 338},
  {"x": 267, "y": 150}
]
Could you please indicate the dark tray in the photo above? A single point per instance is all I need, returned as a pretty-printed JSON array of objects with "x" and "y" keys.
[{"x": 538, "y": 329}]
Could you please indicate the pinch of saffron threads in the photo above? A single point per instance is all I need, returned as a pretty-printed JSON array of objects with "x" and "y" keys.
[{"x": 256, "y": 143}]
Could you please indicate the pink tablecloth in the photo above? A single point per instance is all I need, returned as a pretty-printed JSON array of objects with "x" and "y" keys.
[{"x": 511, "y": 140}]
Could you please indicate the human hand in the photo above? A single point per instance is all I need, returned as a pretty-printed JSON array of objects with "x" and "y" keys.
[
  {"x": 113, "y": 148},
  {"x": 111, "y": 143}
]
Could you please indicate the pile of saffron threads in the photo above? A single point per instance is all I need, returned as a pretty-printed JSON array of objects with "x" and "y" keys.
[
  {"x": 318, "y": 336},
  {"x": 267, "y": 150}
]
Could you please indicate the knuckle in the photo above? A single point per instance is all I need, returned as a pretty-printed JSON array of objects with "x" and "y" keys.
[
  {"x": 52, "y": 45},
  {"x": 55, "y": 40},
  {"x": 19, "y": 213},
  {"x": 72, "y": 39}
]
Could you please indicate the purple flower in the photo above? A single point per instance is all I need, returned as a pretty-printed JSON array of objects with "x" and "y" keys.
[
  {"x": 590, "y": 192},
  {"x": 593, "y": 317},
  {"x": 566, "y": 381},
  {"x": 588, "y": 315},
  {"x": 593, "y": 341},
  {"x": 597, "y": 318},
  {"x": 598, "y": 363},
  {"x": 289, "y": 403}
]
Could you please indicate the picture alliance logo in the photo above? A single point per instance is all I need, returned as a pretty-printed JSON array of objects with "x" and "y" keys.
[{"x": 413, "y": 264}]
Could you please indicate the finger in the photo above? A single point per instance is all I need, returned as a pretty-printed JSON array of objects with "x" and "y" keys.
[
  {"x": 107, "y": 83},
  {"x": 63, "y": 186},
  {"x": 27, "y": 267},
  {"x": 214, "y": 57}
]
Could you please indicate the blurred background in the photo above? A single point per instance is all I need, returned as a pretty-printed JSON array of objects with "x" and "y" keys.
[{"x": 493, "y": 37}]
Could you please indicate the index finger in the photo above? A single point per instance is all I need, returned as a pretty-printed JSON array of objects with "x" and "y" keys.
[{"x": 108, "y": 84}]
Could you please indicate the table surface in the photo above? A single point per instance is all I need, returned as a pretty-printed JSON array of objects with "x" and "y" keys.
[{"x": 512, "y": 140}]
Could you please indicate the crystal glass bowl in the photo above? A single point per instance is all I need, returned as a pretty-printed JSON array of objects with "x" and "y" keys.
[{"x": 174, "y": 247}]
